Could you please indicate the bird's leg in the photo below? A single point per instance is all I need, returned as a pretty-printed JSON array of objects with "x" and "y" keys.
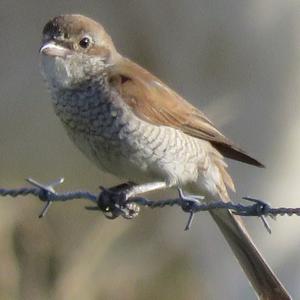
[
  {"x": 113, "y": 201},
  {"x": 145, "y": 188}
]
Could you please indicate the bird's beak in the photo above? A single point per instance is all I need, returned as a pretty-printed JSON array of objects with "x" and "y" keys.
[{"x": 52, "y": 49}]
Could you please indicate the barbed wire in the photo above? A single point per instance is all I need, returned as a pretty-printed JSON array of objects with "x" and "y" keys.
[{"x": 114, "y": 202}]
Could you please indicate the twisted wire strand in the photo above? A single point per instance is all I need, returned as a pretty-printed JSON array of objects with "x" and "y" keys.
[{"x": 257, "y": 208}]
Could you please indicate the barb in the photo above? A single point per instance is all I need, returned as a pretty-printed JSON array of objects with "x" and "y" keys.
[{"x": 114, "y": 203}]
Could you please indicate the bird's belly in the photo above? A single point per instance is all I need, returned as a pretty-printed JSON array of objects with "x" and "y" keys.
[{"x": 138, "y": 151}]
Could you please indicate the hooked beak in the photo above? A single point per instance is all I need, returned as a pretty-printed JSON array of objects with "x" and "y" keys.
[{"x": 52, "y": 49}]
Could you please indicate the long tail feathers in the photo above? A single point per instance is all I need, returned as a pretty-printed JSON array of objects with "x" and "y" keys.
[{"x": 260, "y": 275}]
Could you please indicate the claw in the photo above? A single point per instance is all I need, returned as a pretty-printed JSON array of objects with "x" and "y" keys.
[{"x": 114, "y": 202}]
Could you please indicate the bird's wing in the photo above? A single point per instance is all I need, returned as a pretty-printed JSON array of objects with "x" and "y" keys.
[{"x": 155, "y": 102}]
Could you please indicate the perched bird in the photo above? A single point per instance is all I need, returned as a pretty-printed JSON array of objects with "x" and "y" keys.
[{"x": 132, "y": 125}]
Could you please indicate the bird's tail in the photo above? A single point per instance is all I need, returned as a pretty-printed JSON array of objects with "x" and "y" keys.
[{"x": 259, "y": 273}]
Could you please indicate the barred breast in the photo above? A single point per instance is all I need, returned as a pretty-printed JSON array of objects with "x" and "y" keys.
[{"x": 113, "y": 137}]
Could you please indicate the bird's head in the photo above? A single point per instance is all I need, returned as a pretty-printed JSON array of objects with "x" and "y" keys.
[{"x": 73, "y": 48}]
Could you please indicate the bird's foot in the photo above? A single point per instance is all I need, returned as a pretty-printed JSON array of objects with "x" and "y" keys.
[{"x": 114, "y": 201}]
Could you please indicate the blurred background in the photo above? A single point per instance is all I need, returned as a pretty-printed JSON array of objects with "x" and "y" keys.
[{"x": 239, "y": 61}]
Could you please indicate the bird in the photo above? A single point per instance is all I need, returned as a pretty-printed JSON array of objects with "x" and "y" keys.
[{"x": 132, "y": 125}]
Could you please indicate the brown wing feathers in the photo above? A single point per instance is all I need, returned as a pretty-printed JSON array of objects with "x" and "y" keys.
[{"x": 143, "y": 92}]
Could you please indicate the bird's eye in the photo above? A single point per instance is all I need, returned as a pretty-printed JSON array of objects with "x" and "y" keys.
[{"x": 85, "y": 42}]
